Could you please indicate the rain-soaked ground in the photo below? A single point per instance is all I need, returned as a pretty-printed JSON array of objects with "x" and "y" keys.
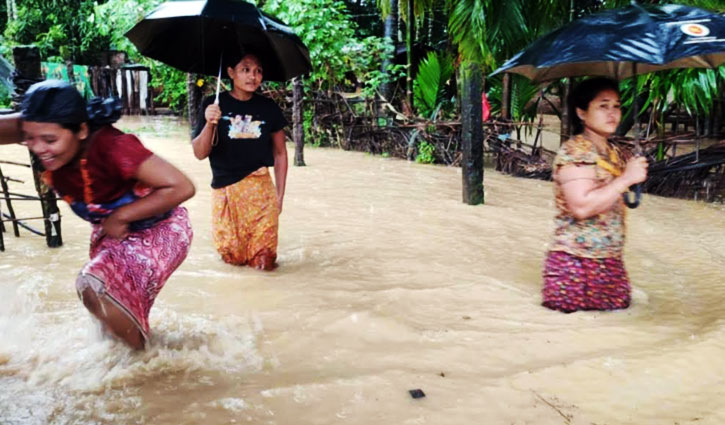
[{"x": 387, "y": 283}]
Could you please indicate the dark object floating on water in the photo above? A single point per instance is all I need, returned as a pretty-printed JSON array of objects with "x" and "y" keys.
[{"x": 417, "y": 393}]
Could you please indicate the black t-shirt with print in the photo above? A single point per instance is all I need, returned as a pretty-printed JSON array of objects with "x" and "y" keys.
[{"x": 244, "y": 143}]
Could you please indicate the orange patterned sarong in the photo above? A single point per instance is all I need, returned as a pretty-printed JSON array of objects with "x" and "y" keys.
[{"x": 245, "y": 221}]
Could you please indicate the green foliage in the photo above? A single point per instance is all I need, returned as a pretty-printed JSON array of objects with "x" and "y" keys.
[
  {"x": 115, "y": 17},
  {"x": 62, "y": 29},
  {"x": 420, "y": 7},
  {"x": 696, "y": 90},
  {"x": 171, "y": 85},
  {"x": 329, "y": 33},
  {"x": 524, "y": 97},
  {"x": 367, "y": 67},
  {"x": 78, "y": 30},
  {"x": 429, "y": 87},
  {"x": 467, "y": 26},
  {"x": 5, "y": 100},
  {"x": 425, "y": 153}
]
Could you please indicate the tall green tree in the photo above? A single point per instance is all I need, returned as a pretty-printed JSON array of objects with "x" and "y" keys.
[{"x": 480, "y": 29}]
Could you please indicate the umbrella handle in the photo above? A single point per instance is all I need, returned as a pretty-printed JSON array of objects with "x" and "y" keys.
[{"x": 637, "y": 190}]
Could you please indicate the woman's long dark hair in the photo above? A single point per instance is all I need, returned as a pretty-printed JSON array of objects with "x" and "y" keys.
[{"x": 582, "y": 96}]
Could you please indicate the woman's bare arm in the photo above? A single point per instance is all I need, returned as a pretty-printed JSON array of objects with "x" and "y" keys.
[{"x": 10, "y": 131}]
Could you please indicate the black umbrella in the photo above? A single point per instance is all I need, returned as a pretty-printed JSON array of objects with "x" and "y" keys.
[
  {"x": 621, "y": 43},
  {"x": 203, "y": 36}
]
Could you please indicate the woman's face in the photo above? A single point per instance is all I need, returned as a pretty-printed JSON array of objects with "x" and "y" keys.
[
  {"x": 247, "y": 74},
  {"x": 603, "y": 114},
  {"x": 54, "y": 145}
]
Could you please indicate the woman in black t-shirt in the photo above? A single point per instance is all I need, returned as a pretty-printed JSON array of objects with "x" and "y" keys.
[{"x": 242, "y": 136}]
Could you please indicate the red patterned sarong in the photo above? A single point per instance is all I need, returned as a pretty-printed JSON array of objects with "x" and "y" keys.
[
  {"x": 132, "y": 271},
  {"x": 574, "y": 283}
]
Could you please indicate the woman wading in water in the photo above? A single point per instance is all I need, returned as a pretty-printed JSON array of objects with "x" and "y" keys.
[
  {"x": 131, "y": 197},
  {"x": 584, "y": 269}
]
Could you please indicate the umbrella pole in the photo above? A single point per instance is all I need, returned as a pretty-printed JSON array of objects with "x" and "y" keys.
[
  {"x": 218, "y": 80},
  {"x": 636, "y": 189},
  {"x": 215, "y": 137}
]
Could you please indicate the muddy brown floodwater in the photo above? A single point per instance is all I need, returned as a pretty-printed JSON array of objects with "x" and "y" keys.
[{"x": 387, "y": 283}]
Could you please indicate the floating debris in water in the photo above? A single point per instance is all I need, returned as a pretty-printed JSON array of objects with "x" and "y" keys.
[{"x": 417, "y": 393}]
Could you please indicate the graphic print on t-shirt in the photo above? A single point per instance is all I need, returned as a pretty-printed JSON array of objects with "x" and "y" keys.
[{"x": 244, "y": 128}]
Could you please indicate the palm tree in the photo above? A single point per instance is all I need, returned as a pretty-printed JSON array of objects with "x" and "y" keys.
[{"x": 482, "y": 30}]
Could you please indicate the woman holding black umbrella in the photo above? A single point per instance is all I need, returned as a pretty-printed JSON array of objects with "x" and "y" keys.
[
  {"x": 242, "y": 135},
  {"x": 584, "y": 269}
]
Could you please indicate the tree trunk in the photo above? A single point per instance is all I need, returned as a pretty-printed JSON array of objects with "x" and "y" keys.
[
  {"x": 506, "y": 96},
  {"x": 27, "y": 68},
  {"x": 298, "y": 133},
  {"x": 471, "y": 134},
  {"x": 391, "y": 31},
  {"x": 409, "y": 55},
  {"x": 566, "y": 128},
  {"x": 193, "y": 92}
]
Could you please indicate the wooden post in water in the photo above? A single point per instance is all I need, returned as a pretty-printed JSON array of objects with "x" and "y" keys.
[
  {"x": 506, "y": 96},
  {"x": 471, "y": 134},
  {"x": 298, "y": 133},
  {"x": 27, "y": 72}
]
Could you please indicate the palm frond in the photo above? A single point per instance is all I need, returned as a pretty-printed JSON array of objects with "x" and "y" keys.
[
  {"x": 434, "y": 73},
  {"x": 467, "y": 27}
]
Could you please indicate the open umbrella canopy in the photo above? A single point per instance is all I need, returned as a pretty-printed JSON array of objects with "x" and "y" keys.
[
  {"x": 194, "y": 36},
  {"x": 609, "y": 43}
]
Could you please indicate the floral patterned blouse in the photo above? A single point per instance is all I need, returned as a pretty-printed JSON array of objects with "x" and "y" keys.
[{"x": 601, "y": 236}]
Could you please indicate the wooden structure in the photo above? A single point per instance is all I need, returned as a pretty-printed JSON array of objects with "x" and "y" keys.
[
  {"x": 132, "y": 85},
  {"x": 129, "y": 82},
  {"x": 28, "y": 72}
]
